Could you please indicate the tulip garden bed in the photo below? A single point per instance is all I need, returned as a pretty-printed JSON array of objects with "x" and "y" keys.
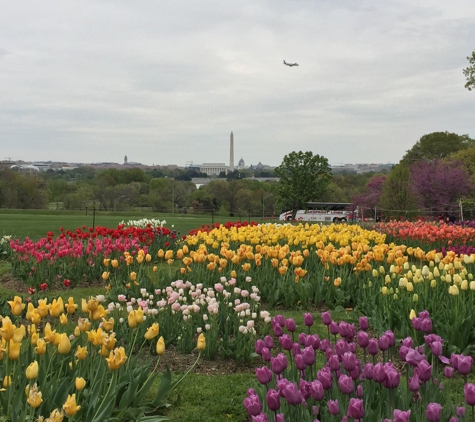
[{"x": 210, "y": 303}]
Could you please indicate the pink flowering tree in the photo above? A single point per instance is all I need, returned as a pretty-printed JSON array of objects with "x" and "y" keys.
[
  {"x": 438, "y": 185},
  {"x": 369, "y": 200}
]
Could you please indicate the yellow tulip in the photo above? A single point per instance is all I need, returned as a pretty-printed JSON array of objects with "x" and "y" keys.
[
  {"x": 8, "y": 329},
  {"x": 56, "y": 307},
  {"x": 32, "y": 370},
  {"x": 70, "y": 407},
  {"x": 472, "y": 285},
  {"x": 133, "y": 276},
  {"x": 63, "y": 319},
  {"x": 14, "y": 350},
  {"x": 109, "y": 341},
  {"x": 98, "y": 313},
  {"x": 464, "y": 285},
  {"x": 40, "y": 346},
  {"x": 415, "y": 297},
  {"x": 7, "y": 381},
  {"x": 49, "y": 334},
  {"x": 55, "y": 416},
  {"x": 34, "y": 397},
  {"x": 168, "y": 255},
  {"x": 131, "y": 320},
  {"x": 154, "y": 268},
  {"x": 115, "y": 263},
  {"x": 43, "y": 307},
  {"x": 79, "y": 383},
  {"x": 106, "y": 262},
  {"x": 160, "y": 347},
  {"x": 160, "y": 253},
  {"x": 84, "y": 306},
  {"x": 84, "y": 324},
  {"x": 81, "y": 352},
  {"x": 138, "y": 314},
  {"x": 108, "y": 325},
  {"x": 19, "y": 334},
  {"x": 409, "y": 286},
  {"x": 64, "y": 345},
  {"x": 454, "y": 290},
  {"x": 116, "y": 358},
  {"x": 152, "y": 332},
  {"x": 71, "y": 306},
  {"x": 16, "y": 305},
  {"x": 201, "y": 345},
  {"x": 412, "y": 315}
]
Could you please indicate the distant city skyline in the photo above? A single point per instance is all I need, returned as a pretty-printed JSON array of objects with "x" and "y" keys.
[{"x": 166, "y": 82}]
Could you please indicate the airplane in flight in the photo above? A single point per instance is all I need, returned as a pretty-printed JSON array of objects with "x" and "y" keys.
[{"x": 290, "y": 64}]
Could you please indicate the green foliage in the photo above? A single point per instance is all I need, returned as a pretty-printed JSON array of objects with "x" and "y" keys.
[
  {"x": 437, "y": 145},
  {"x": 469, "y": 72},
  {"x": 397, "y": 198},
  {"x": 304, "y": 177}
]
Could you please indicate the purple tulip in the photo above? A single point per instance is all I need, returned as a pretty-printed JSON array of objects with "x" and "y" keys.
[
  {"x": 349, "y": 361},
  {"x": 384, "y": 342},
  {"x": 333, "y": 407},
  {"x": 392, "y": 338},
  {"x": 303, "y": 339},
  {"x": 278, "y": 320},
  {"x": 434, "y": 412},
  {"x": 266, "y": 356},
  {"x": 334, "y": 329},
  {"x": 341, "y": 347},
  {"x": 334, "y": 363},
  {"x": 325, "y": 377},
  {"x": 379, "y": 374},
  {"x": 258, "y": 346},
  {"x": 460, "y": 411},
  {"x": 316, "y": 390},
  {"x": 464, "y": 364},
  {"x": 315, "y": 410},
  {"x": 407, "y": 342},
  {"x": 453, "y": 419},
  {"x": 392, "y": 376},
  {"x": 278, "y": 331},
  {"x": 403, "y": 350},
  {"x": 279, "y": 417},
  {"x": 359, "y": 391},
  {"x": 436, "y": 348},
  {"x": 305, "y": 387},
  {"x": 296, "y": 350},
  {"x": 325, "y": 344},
  {"x": 413, "y": 357},
  {"x": 264, "y": 375},
  {"x": 286, "y": 342},
  {"x": 308, "y": 319},
  {"x": 279, "y": 363},
  {"x": 269, "y": 342},
  {"x": 426, "y": 325},
  {"x": 469, "y": 391},
  {"x": 262, "y": 417},
  {"x": 454, "y": 360},
  {"x": 299, "y": 363},
  {"x": 326, "y": 318},
  {"x": 253, "y": 405},
  {"x": 313, "y": 341},
  {"x": 308, "y": 356},
  {"x": 424, "y": 314},
  {"x": 401, "y": 416},
  {"x": 364, "y": 323},
  {"x": 355, "y": 409},
  {"x": 273, "y": 399},
  {"x": 292, "y": 394},
  {"x": 424, "y": 370},
  {"x": 290, "y": 325},
  {"x": 414, "y": 382},
  {"x": 416, "y": 323},
  {"x": 449, "y": 371},
  {"x": 368, "y": 371},
  {"x": 373, "y": 347},
  {"x": 362, "y": 338},
  {"x": 346, "y": 384}
]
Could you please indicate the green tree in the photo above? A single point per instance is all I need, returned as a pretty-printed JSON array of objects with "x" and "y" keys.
[
  {"x": 469, "y": 72},
  {"x": 397, "y": 198},
  {"x": 437, "y": 145},
  {"x": 304, "y": 177}
]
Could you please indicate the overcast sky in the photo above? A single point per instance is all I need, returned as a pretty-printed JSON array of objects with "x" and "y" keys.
[{"x": 165, "y": 82}]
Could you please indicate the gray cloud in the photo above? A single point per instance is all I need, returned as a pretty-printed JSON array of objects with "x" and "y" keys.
[{"x": 166, "y": 82}]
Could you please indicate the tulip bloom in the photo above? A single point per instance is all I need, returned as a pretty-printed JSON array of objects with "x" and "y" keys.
[
  {"x": 16, "y": 305},
  {"x": 434, "y": 412},
  {"x": 152, "y": 332},
  {"x": 14, "y": 350},
  {"x": 81, "y": 352},
  {"x": 201, "y": 345},
  {"x": 116, "y": 358},
  {"x": 34, "y": 397},
  {"x": 469, "y": 392},
  {"x": 7, "y": 330},
  {"x": 64, "y": 345},
  {"x": 79, "y": 383},
  {"x": 160, "y": 348},
  {"x": 70, "y": 407},
  {"x": 71, "y": 306},
  {"x": 32, "y": 370}
]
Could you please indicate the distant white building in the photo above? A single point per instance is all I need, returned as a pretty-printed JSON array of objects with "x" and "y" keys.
[{"x": 213, "y": 169}]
